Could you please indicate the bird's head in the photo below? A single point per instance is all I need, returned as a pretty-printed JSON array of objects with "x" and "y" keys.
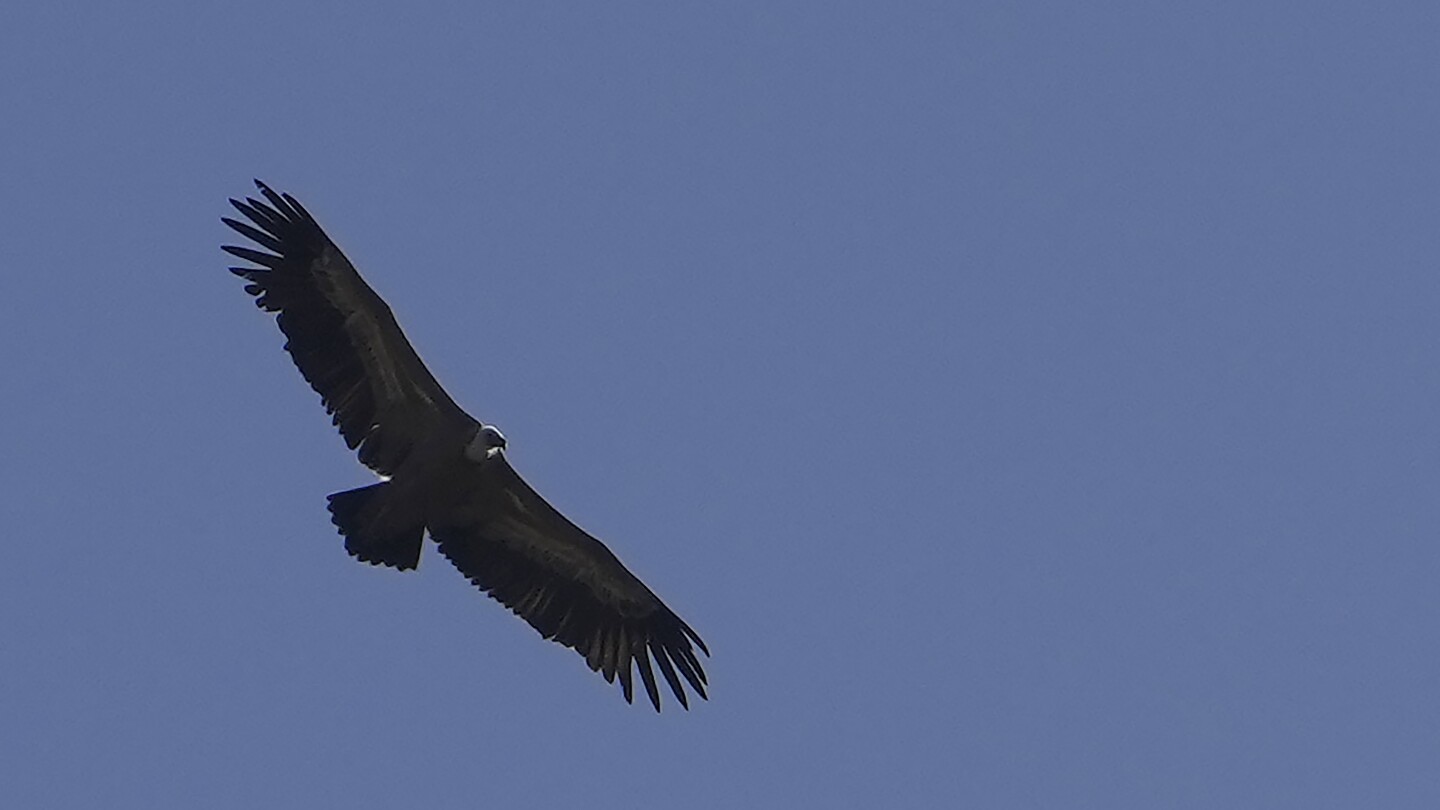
[{"x": 488, "y": 441}]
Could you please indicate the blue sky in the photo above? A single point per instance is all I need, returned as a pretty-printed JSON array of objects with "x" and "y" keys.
[{"x": 1032, "y": 405}]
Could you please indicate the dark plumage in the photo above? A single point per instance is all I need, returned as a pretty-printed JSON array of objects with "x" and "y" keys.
[{"x": 447, "y": 473}]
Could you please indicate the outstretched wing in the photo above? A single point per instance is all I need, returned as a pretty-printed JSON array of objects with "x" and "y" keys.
[
  {"x": 566, "y": 584},
  {"x": 342, "y": 336}
]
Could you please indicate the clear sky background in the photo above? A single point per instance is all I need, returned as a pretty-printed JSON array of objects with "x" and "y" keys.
[{"x": 1033, "y": 405}]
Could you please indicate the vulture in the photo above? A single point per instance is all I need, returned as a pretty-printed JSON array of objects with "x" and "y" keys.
[{"x": 443, "y": 472}]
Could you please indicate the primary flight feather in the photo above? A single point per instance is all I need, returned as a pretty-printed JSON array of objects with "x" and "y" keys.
[{"x": 447, "y": 473}]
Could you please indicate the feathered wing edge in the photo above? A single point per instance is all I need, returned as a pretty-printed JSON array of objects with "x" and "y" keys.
[
  {"x": 565, "y": 610},
  {"x": 334, "y": 345}
]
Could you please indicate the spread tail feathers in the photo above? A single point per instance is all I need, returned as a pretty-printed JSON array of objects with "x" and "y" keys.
[{"x": 372, "y": 532}]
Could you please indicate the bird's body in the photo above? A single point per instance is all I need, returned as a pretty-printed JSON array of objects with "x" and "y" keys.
[{"x": 446, "y": 473}]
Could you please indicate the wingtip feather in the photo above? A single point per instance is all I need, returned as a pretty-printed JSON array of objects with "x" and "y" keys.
[
  {"x": 642, "y": 659},
  {"x": 657, "y": 651}
]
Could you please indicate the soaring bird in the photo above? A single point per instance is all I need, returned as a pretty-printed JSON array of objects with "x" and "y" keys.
[{"x": 444, "y": 472}]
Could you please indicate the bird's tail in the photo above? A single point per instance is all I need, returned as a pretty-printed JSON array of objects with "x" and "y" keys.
[{"x": 374, "y": 533}]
